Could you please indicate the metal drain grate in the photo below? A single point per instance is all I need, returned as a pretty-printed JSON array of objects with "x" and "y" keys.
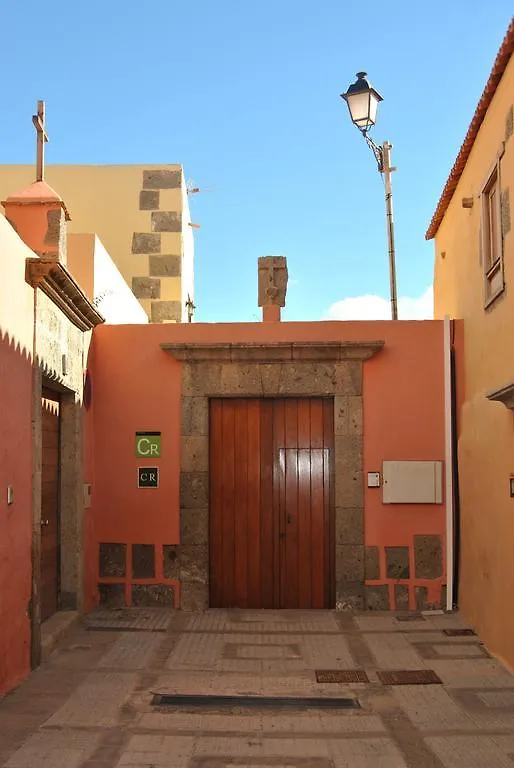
[
  {"x": 410, "y": 617},
  {"x": 253, "y": 702},
  {"x": 409, "y": 677},
  {"x": 459, "y": 632},
  {"x": 341, "y": 676}
]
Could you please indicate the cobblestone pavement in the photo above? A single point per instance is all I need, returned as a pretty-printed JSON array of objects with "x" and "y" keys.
[{"x": 90, "y": 704}]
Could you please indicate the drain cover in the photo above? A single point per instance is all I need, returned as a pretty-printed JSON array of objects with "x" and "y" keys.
[
  {"x": 341, "y": 676},
  {"x": 129, "y": 620},
  {"x": 459, "y": 632},
  {"x": 409, "y": 677},
  {"x": 247, "y": 702},
  {"x": 410, "y": 617}
]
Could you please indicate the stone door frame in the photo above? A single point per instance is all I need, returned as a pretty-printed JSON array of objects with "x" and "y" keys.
[{"x": 282, "y": 369}]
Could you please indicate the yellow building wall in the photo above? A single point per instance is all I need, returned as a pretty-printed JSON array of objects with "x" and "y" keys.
[
  {"x": 139, "y": 212},
  {"x": 486, "y": 431}
]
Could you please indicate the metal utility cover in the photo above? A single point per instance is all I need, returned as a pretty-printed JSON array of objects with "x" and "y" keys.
[
  {"x": 409, "y": 677},
  {"x": 341, "y": 676},
  {"x": 459, "y": 632}
]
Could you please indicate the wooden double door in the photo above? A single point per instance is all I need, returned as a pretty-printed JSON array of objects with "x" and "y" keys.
[
  {"x": 271, "y": 503},
  {"x": 50, "y": 533}
]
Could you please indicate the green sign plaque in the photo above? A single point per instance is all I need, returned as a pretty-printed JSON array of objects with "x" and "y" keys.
[{"x": 148, "y": 444}]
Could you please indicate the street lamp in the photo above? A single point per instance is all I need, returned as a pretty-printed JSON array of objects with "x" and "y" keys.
[{"x": 363, "y": 101}]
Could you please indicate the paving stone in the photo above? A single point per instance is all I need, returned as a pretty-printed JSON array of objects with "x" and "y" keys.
[
  {"x": 152, "y": 751},
  {"x": 430, "y": 708},
  {"x": 393, "y": 651},
  {"x": 96, "y": 702},
  {"x": 131, "y": 650},
  {"x": 468, "y": 752},
  {"x": 54, "y": 749},
  {"x": 476, "y": 673}
]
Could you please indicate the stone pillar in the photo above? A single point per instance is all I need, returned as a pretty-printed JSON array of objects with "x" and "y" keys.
[
  {"x": 272, "y": 272},
  {"x": 39, "y": 216}
]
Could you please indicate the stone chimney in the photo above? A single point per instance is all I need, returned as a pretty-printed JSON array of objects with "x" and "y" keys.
[
  {"x": 39, "y": 216},
  {"x": 272, "y": 286}
]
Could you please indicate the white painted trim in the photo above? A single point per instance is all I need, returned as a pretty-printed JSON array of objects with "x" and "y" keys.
[{"x": 448, "y": 460}]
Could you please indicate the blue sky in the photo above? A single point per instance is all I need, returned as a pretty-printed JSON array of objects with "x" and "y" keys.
[{"x": 246, "y": 96}]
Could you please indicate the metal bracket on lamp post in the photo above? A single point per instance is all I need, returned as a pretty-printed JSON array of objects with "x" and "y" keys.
[{"x": 383, "y": 158}]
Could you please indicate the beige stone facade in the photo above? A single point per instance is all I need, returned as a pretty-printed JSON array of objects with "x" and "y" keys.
[{"x": 141, "y": 215}]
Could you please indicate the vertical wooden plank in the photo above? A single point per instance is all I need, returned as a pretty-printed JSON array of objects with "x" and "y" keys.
[
  {"x": 290, "y": 510},
  {"x": 253, "y": 504},
  {"x": 329, "y": 501},
  {"x": 305, "y": 556},
  {"x": 268, "y": 519},
  {"x": 316, "y": 414},
  {"x": 216, "y": 503},
  {"x": 317, "y": 564},
  {"x": 228, "y": 471},
  {"x": 279, "y": 495},
  {"x": 304, "y": 422},
  {"x": 50, "y": 519},
  {"x": 240, "y": 502}
]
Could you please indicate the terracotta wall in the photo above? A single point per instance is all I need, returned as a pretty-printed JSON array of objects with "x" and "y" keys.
[
  {"x": 16, "y": 329},
  {"x": 136, "y": 387}
]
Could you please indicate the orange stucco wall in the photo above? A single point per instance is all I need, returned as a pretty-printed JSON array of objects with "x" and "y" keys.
[
  {"x": 486, "y": 433},
  {"x": 136, "y": 387},
  {"x": 16, "y": 329}
]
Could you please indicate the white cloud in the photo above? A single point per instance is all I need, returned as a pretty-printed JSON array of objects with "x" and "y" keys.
[{"x": 371, "y": 307}]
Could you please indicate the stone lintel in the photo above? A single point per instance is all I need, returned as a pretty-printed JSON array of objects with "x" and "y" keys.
[{"x": 275, "y": 352}]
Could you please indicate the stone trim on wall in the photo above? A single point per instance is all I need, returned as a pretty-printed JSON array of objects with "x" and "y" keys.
[{"x": 296, "y": 369}]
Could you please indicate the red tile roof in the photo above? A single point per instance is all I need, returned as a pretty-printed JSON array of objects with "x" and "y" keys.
[{"x": 499, "y": 67}]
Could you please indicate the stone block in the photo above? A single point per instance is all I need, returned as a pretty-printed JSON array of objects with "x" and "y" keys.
[
  {"x": 166, "y": 312},
  {"x": 143, "y": 561},
  {"x": 112, "y": 560},
  {"x": 341, "y": 415},
  {"x": 444, "y": 595},
  {"x": 194, "y": 489},
  {"x": 348, "y": 454},
  {"x": 148, "y": 200},
  {"x": 194, "y": 596},
  {"x": 428, "y": 556},
  {"x": 271, "y": 378},
  {"x": 272, "y": 280},
  {"x": 167, "y": 265},
  {"x": 194, "y": 564},
  {"x": 194, "y": 453},
  {"x": 349, "y": 491},
  {"x": 201, "y": 379},
  {"x": 377, "y": 597},
  {"x": 194, "y": 526},
  {"x": 162, "y": 179},
  {"x": 421, "y": 594},
  {"x": 349, "y": 563},
  {"x": 372, "y": 563},
  {"x": 153, "y": 595},
  {"x": 348, "y": 378},
  {"x": 240, "y": 379},
  {"x": 166, "y": 221},
  {"x": 307, "y": 379},
  {"x": 349, "y": 525},
  {"x": 144, "y": 242},
  {"x": 194, "y": 416},
  {"x": 355, "y": 425},
  {"x": 350, "y": 596},
  {"x": 401, "y": 597},
  {"x": 171, "y": 561},
  {"x": 146, "y": 287},
  {"x": 112, "y": 595},
  {"x": 397, "y": 562}
]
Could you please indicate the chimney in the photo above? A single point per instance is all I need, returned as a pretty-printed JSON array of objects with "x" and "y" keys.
[
  {"x": 39, "y": 216},
  {"x": 272, "y": 272}
]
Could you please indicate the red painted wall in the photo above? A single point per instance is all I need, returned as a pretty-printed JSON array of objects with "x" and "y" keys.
[{"x": 136, "y": 386}]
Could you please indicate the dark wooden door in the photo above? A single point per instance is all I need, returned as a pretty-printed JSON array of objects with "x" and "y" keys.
[
  {"x": 50, "y": 503},
  {"x": 271, "y": 521}
]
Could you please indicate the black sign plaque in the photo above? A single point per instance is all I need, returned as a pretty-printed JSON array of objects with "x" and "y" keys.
[{"x": 147, "y": 477}]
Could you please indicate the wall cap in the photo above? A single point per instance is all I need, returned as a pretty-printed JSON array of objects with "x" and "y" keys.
[{"x": 282, "y": 351}]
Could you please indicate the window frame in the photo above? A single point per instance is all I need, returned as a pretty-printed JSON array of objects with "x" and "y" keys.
[{"x": 493, "y": 268}]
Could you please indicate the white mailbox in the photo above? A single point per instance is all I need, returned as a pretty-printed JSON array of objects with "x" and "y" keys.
[{"x": 412, "y": 482}]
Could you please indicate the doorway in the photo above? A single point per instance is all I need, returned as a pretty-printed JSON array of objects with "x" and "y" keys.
[
  {"x": 271, "y": 503},
  {"x": 50, "y": 518}
]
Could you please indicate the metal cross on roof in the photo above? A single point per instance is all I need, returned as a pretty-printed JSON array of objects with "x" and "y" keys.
[{"x": 39, "y": 124}]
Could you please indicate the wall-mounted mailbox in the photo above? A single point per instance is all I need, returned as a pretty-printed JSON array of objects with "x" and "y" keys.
[
  {"x": 373, "y": 479},
  {"x": 412, "y": 482}
]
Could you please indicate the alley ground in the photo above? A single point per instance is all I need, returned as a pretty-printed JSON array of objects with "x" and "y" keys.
[{"x": 90, "y": 705}]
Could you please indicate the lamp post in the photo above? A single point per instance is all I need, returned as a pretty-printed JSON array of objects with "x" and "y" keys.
[{"x": 363, "y": 101}]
